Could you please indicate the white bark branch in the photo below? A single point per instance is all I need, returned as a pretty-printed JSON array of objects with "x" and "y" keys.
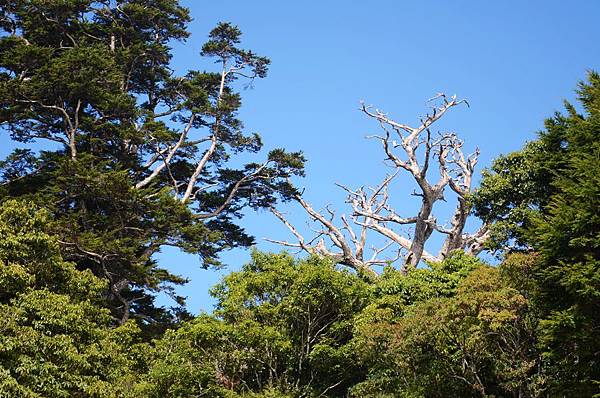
[
  {"x": 372, "y": 211},
  {"x": 233, "y": 191},
  {"x": 170, "y": 155}
]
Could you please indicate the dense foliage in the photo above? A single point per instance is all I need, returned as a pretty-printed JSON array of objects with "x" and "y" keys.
[
  {"x": 279, "y": 324},
  {"x": 547, "y": 198},
  {"x": 140, "y": 154},
  {"x": 55, "y": 338},
  {"x": 139, "y": 159}
]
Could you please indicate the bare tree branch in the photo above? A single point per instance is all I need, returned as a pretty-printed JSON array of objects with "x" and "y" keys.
[
  {"x": 371, "y": 208},
  {"x": 170, "y": 155},
  {"x": 234, "y": 190}
]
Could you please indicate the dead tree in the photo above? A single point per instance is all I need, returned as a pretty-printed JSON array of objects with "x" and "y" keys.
[{"x": 422, "y": 154}]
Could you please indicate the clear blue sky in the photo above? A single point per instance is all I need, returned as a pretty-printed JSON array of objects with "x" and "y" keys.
[{"x": 515, "y": 61}]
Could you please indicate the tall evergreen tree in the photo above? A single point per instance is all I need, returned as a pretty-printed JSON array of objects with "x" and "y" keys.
[
  {"x": 547, "y": 197},
  {"x": 139, "y": 155}
]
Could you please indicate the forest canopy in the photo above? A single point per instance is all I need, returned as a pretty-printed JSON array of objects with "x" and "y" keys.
[{"x": 118, "y": 155}]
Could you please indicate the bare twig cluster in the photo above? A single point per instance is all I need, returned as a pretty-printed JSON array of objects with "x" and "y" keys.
[{"x": 415, "y": 150}]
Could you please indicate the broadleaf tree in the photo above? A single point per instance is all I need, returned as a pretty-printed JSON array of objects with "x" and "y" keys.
[
  {"x": 56, "y": 340},
  {"x": 281, "y": 327}
]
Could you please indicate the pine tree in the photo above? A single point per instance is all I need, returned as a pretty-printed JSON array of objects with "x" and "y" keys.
[{"x": 139, "y": 154}]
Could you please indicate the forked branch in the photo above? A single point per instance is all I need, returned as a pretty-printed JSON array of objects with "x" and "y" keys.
[{"x": 413, "y": 150}]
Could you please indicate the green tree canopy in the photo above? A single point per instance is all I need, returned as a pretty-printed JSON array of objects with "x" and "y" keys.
[
  {"x": 279, "y": 324},
  {"x": 55, "y": 340},
  {"x": 547, "y": 197},
  {"x": 140, "y": 154}
]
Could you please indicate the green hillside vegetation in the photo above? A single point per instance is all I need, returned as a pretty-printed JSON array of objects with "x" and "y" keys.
[{"x": 139, "y": 158}]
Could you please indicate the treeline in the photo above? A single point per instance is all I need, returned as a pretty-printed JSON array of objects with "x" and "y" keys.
[{"x": 138, "y": 158}]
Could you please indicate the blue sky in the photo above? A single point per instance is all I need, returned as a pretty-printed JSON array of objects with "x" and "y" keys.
[{"x": 514, "y": 61}]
